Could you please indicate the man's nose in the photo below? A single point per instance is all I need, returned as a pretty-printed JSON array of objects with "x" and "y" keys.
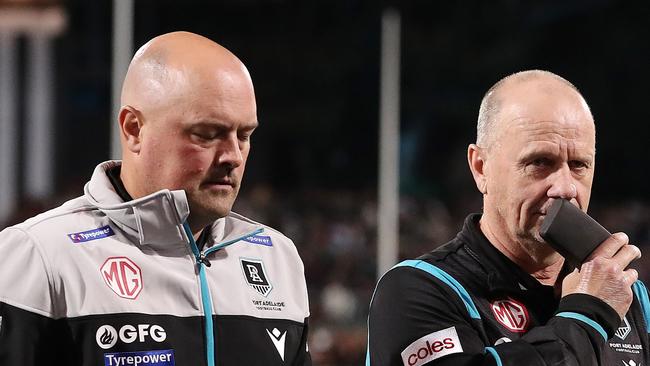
[
  {"x": 229, "y": 152},
  {"x": 562, "y": 185}
]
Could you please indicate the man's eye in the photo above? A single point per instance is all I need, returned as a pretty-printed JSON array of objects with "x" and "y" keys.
[
  {"x": 540, "y": 162},
  {"x": 203, "y": 135},
  {"x": 578, "y": 165}
]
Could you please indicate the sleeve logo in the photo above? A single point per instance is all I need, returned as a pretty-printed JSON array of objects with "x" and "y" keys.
[
  {"x": 83, "y": 236},
  {"x": 432, "y": 346},
  {"x": 260, "y": 239}
]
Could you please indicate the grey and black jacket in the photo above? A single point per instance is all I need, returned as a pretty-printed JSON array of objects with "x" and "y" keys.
[
  {"x": 100, "y": 281},
  {"x": 465, "y": 304}
]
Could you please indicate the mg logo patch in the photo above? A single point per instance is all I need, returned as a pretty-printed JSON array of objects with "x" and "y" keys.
[
  {"x": 511, "y": 314},
  {"x": 624, "y": 329},
  {"x": 123, "y": 276},
  {"x": 256, "y": 276}
]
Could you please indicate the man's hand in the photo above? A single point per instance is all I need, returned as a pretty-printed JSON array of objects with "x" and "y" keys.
[{"x": 604, "y": 276}]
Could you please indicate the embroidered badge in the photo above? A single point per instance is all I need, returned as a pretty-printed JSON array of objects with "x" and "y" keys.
[
  {"x": 256, "y": 276},
  {"x": 511, "y": 314}
]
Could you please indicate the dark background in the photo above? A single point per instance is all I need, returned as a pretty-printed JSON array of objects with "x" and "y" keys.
[
  {"x": 315, "y": 66},
  {"x": 312, "y": 171}
]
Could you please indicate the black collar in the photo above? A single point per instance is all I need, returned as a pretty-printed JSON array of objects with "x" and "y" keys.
[
  {"x": 113, "y": 175},
  {"x": 503, "y": 274}
]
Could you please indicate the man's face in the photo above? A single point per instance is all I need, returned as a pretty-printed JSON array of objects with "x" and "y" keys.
[
  {"x": 544, "y": 150},
  {"x": 198, "y": 140}
]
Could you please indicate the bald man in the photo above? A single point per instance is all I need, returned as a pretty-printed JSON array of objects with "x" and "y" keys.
[
  {"x": 498, "y": 294},
  {"x": 150, "y": 266}
]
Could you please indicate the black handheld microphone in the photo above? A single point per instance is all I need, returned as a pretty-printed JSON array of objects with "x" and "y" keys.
[{"x": 571, "y": 232}]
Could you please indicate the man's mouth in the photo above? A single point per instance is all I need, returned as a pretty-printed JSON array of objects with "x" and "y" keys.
[{"x": 220, "y": 182}]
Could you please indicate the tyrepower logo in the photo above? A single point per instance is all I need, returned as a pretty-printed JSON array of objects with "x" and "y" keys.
[
  {"x": 123, "y": 276},
  {"x": 107, "y": 336},
  {"x": 512, "y": 314},
  {"x": 432, "y": 346}
]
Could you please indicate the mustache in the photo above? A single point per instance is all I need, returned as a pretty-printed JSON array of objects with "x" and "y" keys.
[{"x": 222, "y": 177}]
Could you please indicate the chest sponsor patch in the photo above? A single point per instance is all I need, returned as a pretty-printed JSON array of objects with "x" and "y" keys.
[
  {"x": 163, "y": 357},
  {"x": 432, "y": 346},
  {"x": 511, "y": 314},
  {"x": 260, "y": 239},
  {"x": 123, "y": 276},
  {"x": 94, "y": 234},
  {"x": 256, "y": 276}
]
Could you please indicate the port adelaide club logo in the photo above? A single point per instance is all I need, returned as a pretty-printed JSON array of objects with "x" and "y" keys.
[{"x": 256, "y": 276}]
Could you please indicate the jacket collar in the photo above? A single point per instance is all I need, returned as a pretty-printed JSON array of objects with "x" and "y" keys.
[
  {"x": 154, "y": 219},
  {"x": 157, "y": 219},
  {"x": 503, "y": 274}
]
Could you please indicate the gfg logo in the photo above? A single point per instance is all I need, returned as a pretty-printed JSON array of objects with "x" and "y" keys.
[{"x": 106, "y": 335}]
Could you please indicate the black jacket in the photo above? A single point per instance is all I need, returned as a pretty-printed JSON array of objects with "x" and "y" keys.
[{"x": 465, "y": 303}]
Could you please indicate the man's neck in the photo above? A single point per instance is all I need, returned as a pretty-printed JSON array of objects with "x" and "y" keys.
[{"x": 543, "y": 264}]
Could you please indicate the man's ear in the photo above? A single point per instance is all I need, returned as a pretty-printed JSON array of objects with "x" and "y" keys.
[
  {"x": 476, "y": 160},
  {"x": 130, "y": 128}
]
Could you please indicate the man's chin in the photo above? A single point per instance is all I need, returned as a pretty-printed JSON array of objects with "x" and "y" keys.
[{"x": 210, "y": 211}]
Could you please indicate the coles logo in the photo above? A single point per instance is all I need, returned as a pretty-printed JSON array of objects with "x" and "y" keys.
[
  {"x": 107, "y": 336},
  {"x": 432, "y": 346},
  {"x": 511, "y": 314},
  {"x": 123, "y": 276}
]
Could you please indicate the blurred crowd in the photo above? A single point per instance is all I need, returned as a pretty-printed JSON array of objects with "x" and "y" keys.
[{"x": 335, "y": 233}]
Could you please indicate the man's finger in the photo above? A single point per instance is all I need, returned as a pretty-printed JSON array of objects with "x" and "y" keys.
[
  {"x": 611, "y": 246},
  {"x": 627, "y": 254}
]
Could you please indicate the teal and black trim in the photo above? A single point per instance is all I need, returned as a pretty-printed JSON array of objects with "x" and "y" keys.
[
  {"x": 447, "y": 279},
  {"x": 494, "y": 354},
  {"x": 641, "y": 293},
  {"x": 206, "y": 299},
  {"x": 584, "y": 319}
]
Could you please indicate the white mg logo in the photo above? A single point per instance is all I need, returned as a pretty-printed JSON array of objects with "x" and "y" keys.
[
  {"x": 123, "y": 276},
  {"x": 511, "y": 314}
]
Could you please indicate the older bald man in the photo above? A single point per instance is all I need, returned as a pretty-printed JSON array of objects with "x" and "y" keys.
[
  {"x": 150, "y": 266},
  {"x": 498, "y": 294}
]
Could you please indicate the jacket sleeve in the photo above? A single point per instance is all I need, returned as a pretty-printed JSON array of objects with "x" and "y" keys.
[
  {"x": 303, "y": 358},
  {"x": 29, "y": 334},
  {"x": 415, "y": 319}
]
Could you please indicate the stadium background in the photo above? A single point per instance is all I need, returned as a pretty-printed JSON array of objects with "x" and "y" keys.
[{"x": 313, "y": 170}]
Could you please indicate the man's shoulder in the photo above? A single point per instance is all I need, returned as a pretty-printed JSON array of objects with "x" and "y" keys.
[
  {"x": 275, "y": 235},
  {"x": 69, "y": 216},
  {"x": 451, "y": 262}
]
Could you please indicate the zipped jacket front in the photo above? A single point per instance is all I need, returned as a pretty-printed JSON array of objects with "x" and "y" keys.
[
  {"x": 467, "y": 304},
  {"x": 99, "y": 281}
]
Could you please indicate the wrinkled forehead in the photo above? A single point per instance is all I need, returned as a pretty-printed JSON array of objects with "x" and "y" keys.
[{"x": 543, "y": 110}]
